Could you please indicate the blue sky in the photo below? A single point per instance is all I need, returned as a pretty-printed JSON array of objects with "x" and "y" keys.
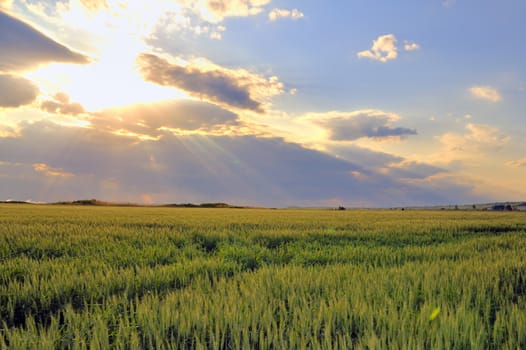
[{"x": 261, "y": 102}]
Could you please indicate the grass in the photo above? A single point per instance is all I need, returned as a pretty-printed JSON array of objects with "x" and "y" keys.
[{"x": 81, "y": 277}]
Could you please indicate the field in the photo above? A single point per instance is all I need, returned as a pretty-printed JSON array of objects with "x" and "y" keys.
[{"x": 130, "y": 278}]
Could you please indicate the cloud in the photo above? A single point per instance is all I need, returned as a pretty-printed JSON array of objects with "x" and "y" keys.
[
  {"x": 409, "y": 169},
  {"x": 216, "y": 36},
  {"x": 202, "y": 79},
  {"x": 95, "y": 5},
  {"x": 23, "y": 47},
  {"x": 277, "y": 13},
  {"x": 60, "y": 104},
  {"x": 153, "y": 119},
  {"x": 49, "y": 171},
  {"x": 349, "y": 126},
  {"x": 16, "y": 91},
  {"x": 93, "y": 163},
  {"x": 215, "y": 11},
  {"x": 472, "y": 189},
  {"x": 410, "y": 46},
  {"x": 485, "y": 93},
  {"x": 384, "y": 164},
  {"x": 478, "y": 140},
  {"x": 517, "y": 163},
  {"x": 384, "y": 49}
]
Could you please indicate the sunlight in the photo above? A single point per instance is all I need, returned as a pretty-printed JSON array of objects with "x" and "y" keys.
[
  {"x": 132, "y": 17},
  {"x": 111, "y": 81},
  {"x": 118, "y": 30}
]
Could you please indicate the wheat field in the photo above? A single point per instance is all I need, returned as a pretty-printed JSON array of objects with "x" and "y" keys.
[{"x": 77, "y": 277}]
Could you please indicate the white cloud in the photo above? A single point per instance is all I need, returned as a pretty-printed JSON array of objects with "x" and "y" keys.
[
  {"x": 277, "y": 13},
  {"x": 410, "y": 46},
  {"x": 215, "y": 11},
  {"x": 485, "y": 92},
  {"x": 384, "y": 49}
]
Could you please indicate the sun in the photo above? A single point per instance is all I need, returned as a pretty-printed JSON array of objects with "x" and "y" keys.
[
  {"x": 117, "y": 34},
  {"x": 111, "y": 80}
]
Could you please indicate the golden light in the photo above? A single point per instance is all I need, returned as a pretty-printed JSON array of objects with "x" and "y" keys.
[
  {"x": 110, "y": 82},
  {"x": 117, "y": 33}
]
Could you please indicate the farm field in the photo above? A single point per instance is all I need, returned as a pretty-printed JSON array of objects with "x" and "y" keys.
[{"x": 130, "y": 278}]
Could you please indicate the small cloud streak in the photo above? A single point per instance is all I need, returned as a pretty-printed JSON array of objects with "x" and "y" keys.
[
  {"x": 16, "y": 91},
  {"x": 486, "y": 93},
  {"x": 384, "y": 49},
  {"x": 517, "y": 163},
  {"x": 276, "y": 14},
  {"x": 236, "y": 88},
  {"x": 49, "y": 171},
  {"x": 411, "y": 46}
]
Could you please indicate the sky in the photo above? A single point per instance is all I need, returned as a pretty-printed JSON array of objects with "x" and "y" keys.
[{"x": 262, "y": 102}]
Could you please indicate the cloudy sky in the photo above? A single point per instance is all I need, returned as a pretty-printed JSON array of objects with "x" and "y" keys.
[{"x": 262, "y": 102}]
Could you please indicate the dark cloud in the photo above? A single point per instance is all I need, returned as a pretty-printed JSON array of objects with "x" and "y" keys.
[
  {"x": 86, "y": 163},
  {"x": 342, "y": 129},
  {"x": 60, "y": 104},
  {"x": 355, "y": 125},
  {"x": 150, "y": 118},
  {"x": 16, "y": 91},
  {"x": 23, "y": 47},
  {"x": 218, "y": 85}
]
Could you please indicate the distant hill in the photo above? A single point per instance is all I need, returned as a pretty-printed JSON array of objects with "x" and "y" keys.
[
  {"x": 498, "y": 206},
  {"x": 95, "y": 202},
  {"x": 15, "y": 202},
  {"x": 202, "y": 205},
  {"x": 82, "y": 202}
]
